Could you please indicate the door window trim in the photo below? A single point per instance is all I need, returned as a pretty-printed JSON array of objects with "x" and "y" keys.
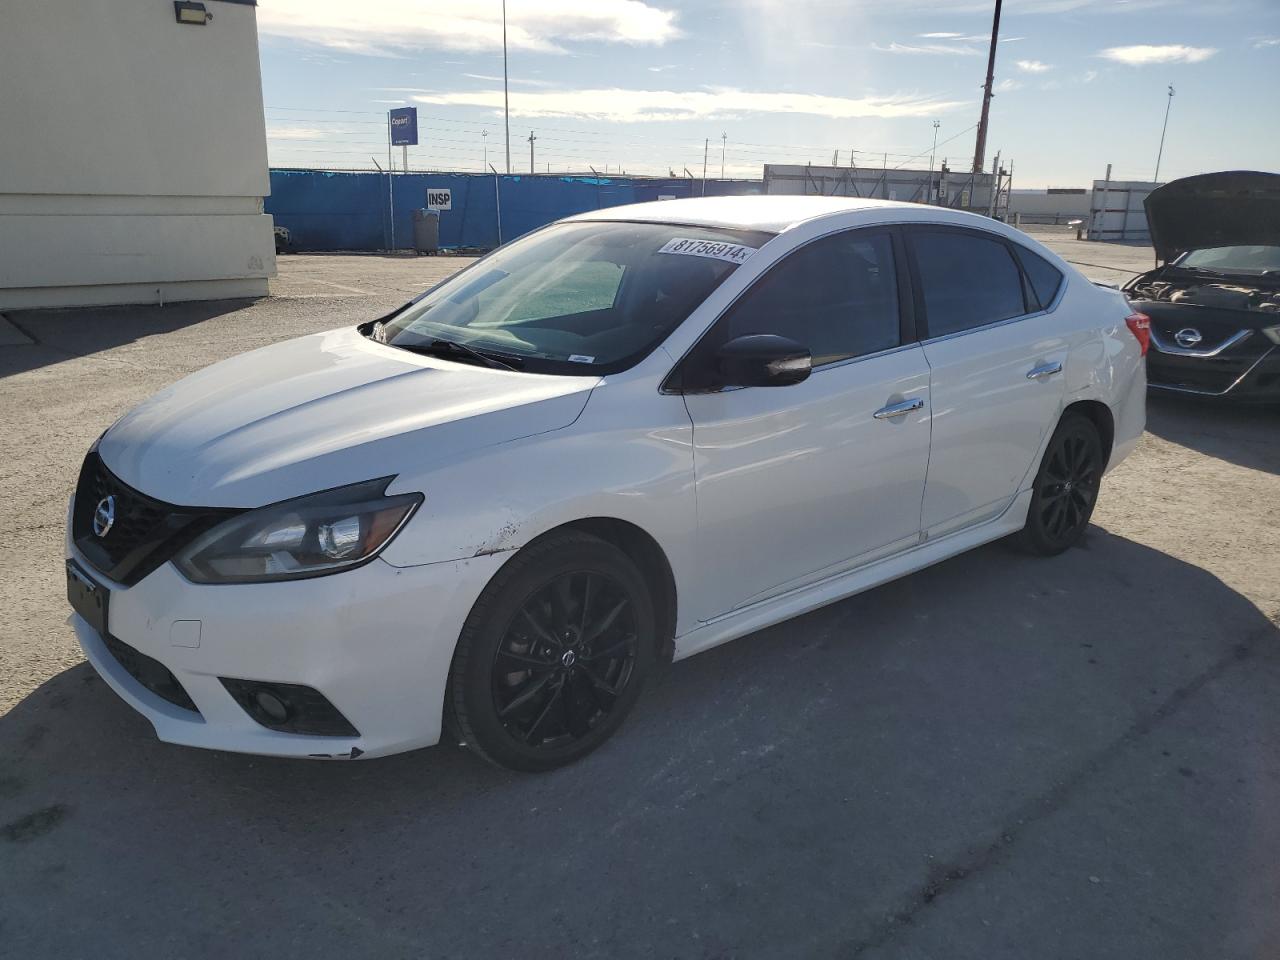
[
  {"x": 907, "y": 305},
  {"x": 1028, "y": 292}
]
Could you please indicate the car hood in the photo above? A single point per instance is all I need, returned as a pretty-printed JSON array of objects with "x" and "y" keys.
[
  {"x": 1238, "y": 207},
  {"x": 323, "y": 411}
]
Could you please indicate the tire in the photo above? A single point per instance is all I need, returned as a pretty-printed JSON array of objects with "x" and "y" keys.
[
  {"x": 553, "y": 655},
  {"x": 1065, "y": 489}
]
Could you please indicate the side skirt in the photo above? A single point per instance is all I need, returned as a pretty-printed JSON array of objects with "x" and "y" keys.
[{"x": 738, "y": 623}]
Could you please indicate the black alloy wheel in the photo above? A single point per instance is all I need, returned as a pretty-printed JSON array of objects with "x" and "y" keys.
[
  {"x": 1066, "y": 487},
  {"x": 554, "y": 653},
  {"x": 565, "y": 659}
]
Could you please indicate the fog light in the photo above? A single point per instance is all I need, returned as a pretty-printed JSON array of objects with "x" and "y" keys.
[
  {"x": 187, "y": 11},
  {"x": 272, "y": 707}
]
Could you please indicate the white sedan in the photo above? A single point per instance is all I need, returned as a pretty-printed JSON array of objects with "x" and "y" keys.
[{"x": 629, "y": 436}]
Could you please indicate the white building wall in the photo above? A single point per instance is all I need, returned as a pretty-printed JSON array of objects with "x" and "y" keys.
[
  {"x": 133, "y": 157},
  {"x": 1117, "y": 210},
  {"x": 1038, "y": 206}
]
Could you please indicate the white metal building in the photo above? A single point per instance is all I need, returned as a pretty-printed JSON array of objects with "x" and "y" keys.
[{"x": 133, "y": 157}]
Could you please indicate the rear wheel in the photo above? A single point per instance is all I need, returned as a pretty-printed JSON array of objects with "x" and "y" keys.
[
  {"x": 1065, "y": 488},
  {"x": 554, "y": 653}
]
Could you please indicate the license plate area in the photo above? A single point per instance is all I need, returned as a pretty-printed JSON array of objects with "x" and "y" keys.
[{"x": 87, "y": 597}]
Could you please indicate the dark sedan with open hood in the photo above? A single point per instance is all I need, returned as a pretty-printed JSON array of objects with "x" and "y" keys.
[{"x": 1214, "y": 302}]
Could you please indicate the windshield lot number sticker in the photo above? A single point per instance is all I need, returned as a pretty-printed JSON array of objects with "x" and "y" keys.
[{"x": 716, "y": 250}]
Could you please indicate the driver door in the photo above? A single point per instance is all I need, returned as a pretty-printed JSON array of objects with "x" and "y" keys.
[{"x": 797, "y": 483}]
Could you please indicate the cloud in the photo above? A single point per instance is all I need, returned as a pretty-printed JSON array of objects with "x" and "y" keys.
[
  {"x": 949, "y": 36},
  {"x": 1144, "y": 53},
  {"x": 1033, "y": 66},
  {"x": 1006, "y": 85},
  {"x": 391, "y": 27},
  {"x": 297, "y": 133},
  {"x": 513, "y": 80},
  {"x": 633, "y": 106},
  {"x": 935, "y": 49},
  {"x": 1260, "y": 42}
]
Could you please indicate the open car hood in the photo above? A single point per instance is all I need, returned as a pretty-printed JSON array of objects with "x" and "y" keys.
[{"x": 1232, "y": 208}]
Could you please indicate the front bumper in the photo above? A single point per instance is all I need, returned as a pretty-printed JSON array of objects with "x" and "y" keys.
[
  {"x": 1235, "y": 374},
  {"x": 376, "y": 641}
]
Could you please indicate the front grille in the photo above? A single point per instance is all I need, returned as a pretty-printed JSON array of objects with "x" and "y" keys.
[
  {"x": 152, "y": 674},
  {"x": 145, "y": 532}
]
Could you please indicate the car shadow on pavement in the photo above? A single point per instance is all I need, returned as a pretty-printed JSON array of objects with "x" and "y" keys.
[
  {"x": 1000, "y": 756},
  {"x": 72, "y": 332},
  {"x": 1243, "y": 434}
]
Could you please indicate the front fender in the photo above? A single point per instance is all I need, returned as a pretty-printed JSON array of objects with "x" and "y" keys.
[{"x": 628, "y": 457}]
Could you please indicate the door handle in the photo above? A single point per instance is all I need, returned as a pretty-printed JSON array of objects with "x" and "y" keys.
[
  {"x": 1044, "y": 370},
  {"x": 899, "y": 409}
]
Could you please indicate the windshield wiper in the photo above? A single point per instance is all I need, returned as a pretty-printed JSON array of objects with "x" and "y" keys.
[{"x": 452, "y": 348}]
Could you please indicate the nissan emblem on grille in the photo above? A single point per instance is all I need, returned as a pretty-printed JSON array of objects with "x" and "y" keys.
[
  {"x": 1188, "y": 337},
  {"x": 104, "y": 515}
]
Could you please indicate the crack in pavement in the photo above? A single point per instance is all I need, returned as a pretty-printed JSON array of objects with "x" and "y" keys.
[{"x": 946, "y": 877}]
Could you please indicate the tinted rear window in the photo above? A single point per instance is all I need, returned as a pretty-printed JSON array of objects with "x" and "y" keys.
[{"x": 967, "y": 280}]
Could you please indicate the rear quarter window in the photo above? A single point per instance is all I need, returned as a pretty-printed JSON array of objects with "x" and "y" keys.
[{"x": 1046, "y": 279}]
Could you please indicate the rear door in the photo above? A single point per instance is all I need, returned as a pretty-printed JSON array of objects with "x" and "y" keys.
[
  {"x": 796, "y": 483},
  {"x": 996, "y": 362}
]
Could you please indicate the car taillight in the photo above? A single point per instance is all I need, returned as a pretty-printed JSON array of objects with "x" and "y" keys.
[{"x": 1140, "y": 327}]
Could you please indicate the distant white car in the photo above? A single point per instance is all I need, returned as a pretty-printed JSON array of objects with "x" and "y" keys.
[{"x": 634, "y": 434}]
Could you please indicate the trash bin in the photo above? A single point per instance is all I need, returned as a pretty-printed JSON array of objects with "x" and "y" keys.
[{"x": 426, "y": 231}]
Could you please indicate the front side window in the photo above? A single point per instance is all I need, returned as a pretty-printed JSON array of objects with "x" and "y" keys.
[
  {"x": 838, "y": 296},
  {"x": 589, "y": 298},
  {"x": 967, "y": 280}
]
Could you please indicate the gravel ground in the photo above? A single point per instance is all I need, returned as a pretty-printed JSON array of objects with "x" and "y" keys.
[{"x": 996, "y": 757}]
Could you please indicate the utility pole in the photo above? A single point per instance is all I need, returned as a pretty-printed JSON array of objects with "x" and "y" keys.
[
  {"x": 932, "y": 155},
  {"x": 506, "y": 104},
  {"x": 724, "y": 141},
  {"x": 391, "y": 190},
  {"x": 497, "y": 202},
  {"x": 995, "y": 186},
  {"x": 484, "y": 138},
  {"x": 1160, "y": 153},
  {"x": 980, "y": 150},
  {"x": 706, "y": 146},
  {"x": 531, "y": 139}
]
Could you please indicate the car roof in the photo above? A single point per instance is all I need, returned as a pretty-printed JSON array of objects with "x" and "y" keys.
[{"x": 774, "y": 214}]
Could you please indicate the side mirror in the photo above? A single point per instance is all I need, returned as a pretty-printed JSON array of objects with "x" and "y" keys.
[{"x": 763, "y": 360}]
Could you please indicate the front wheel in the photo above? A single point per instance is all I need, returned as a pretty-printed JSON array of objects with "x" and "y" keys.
[
  {"x": 1065, "y": 488},
  {"x": 554, "y": 654}
]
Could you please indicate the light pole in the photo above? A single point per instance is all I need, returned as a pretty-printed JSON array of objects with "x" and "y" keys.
[
  {"x": 724, "y": 140},
  {"x": 932, "y": 154},
  {"x": 506, "y": 105},
  {"x": 1160, "y": 152},
  {"x": 484, "y": 138}
]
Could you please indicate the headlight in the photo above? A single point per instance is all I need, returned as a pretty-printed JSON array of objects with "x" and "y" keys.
[{"x": 307, "y": 537}]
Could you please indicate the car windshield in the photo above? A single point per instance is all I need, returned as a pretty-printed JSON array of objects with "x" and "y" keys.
[
  {"x": 588, "y": 297},
  {"x": 1247, "y": 260}
]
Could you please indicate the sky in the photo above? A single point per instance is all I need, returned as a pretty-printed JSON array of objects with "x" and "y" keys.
[{"x": 652, "y": 86}]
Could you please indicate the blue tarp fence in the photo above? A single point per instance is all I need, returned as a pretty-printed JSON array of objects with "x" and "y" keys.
[{"x": 326, "y": 210}]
